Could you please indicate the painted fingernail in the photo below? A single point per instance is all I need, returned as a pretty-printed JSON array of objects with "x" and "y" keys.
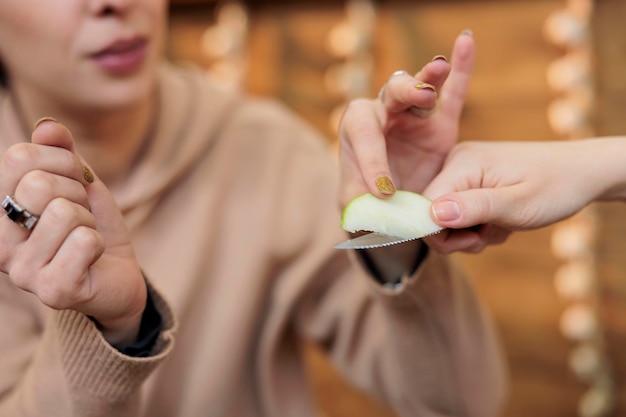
[
  {"x": 468, "y": 32},
  {"x": 385, "y": 185},
  {"x": 440, "y": 58},
  {"x": 44, "y": 119},
  {"x": 446, "y": 210},
  {"x": 87, "y": 175},
  {"x": 425, "y": 86}
]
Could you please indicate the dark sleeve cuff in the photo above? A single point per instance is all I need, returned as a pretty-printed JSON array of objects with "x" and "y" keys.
[
  {"x": 374, "y": 268},
  {"x": 149, "y": 330}
]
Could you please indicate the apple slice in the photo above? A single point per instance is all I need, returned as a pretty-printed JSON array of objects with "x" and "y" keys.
[{"x": 405, "y": 215}]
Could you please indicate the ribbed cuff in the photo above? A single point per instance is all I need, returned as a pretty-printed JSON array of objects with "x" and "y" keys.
[{"x": 93, "y": 366}]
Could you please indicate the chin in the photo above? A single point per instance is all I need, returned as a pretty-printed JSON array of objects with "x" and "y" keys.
[{"x": 122, "y": 92}]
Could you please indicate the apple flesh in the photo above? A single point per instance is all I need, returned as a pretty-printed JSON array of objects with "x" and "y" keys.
[{"x": 405, "y": 215}]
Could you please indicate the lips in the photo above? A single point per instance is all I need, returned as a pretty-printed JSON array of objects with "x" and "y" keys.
[{"x": 122, "y": 56}]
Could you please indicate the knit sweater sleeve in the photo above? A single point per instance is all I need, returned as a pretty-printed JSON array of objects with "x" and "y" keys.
[
  {"x": 426, "y": 347},
  {"x": 71, "y": 370}
]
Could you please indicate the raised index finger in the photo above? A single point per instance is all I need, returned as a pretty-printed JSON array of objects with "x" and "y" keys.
[
  {"x": 364, "y": 151},
  {"x": 453, "y": 92}
]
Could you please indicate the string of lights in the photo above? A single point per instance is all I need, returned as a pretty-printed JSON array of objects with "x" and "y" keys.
[{"x": 573, "y": 241}]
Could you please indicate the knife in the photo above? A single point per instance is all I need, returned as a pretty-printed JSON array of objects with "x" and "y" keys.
[{"x": 371, "y": 241}]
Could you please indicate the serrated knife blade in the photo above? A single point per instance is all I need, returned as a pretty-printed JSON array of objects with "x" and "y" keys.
[
  {"x": 377, "y": 240},
  {"x": 371, "y": 241}
]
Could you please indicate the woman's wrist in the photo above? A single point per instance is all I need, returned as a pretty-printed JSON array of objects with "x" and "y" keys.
[
  {"x": 120, "y": 333},
  {"x": 608, "y": 155},
  {"x": 149, "y": 331},
  {"x": 124, "y": 329}
]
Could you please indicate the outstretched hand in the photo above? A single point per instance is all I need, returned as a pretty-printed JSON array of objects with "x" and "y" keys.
[
  {"x": 401, "y": 139},
  {"x": 487, "y": 190},
  {"x": 78, "y": 255}
]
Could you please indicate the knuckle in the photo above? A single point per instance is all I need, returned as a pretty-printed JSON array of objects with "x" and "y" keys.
[
  {"x": 358, "y": 103},
  {"x": 51, "y": 295},
  {"x": 357, "y": 106},
  {"x": 18, "y": 154},
  {"x": 37, "y": 182},
  {"x": 358, "y": 120},
  {"x": 86, "y": 238},
  {"x": 59, "y": 291},
  {"x": 61, "y": 211},
  {"x": 21, "y": 278}
]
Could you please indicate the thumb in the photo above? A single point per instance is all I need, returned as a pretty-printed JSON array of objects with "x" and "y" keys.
[
  {"x": 48, "y": 131},
  {"x": 474, "y": 207},
  {"x": 102, "y": 204},
  {"x": 109, "y": 220}
]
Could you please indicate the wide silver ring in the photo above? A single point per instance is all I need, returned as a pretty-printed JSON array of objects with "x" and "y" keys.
[{"x": 18, "y": 214}]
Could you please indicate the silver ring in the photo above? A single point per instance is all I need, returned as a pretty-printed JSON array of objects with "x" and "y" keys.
[
  {"x": 399, "y": 72},
  {"x": 17, "y": 214},
  {"x": 382, "y": 89}
]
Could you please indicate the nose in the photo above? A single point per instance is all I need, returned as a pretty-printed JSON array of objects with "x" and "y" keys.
[{"x": 109, "y": 7}]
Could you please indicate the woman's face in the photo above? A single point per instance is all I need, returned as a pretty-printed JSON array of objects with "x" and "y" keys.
[{"x": 98, "y": 53}]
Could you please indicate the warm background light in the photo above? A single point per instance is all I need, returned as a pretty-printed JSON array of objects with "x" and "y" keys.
[{"x": 549, "y": 69}]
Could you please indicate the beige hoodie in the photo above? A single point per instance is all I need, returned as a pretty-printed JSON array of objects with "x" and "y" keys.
[{"x": 233, "y": 215}]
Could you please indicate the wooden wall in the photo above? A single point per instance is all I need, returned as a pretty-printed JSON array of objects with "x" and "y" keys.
[
  {"x": 609, "y": 45},
  {"x": 508, "y": 99}
]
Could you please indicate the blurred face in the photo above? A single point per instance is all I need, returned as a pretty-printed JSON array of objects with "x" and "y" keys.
[{"x": 98, "y": 53}]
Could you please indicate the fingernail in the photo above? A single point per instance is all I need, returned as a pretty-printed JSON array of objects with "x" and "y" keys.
[
  {"x": 87, "y": 175},
  {"x": 385, "y": 185},
  {"x": 44, "y": 119},
  {"x": 425, "y": 86},
  {"x": 468, "y": 32},
  {"x": 446, "y": 210},
  {"x": 440, "y": 58}
]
